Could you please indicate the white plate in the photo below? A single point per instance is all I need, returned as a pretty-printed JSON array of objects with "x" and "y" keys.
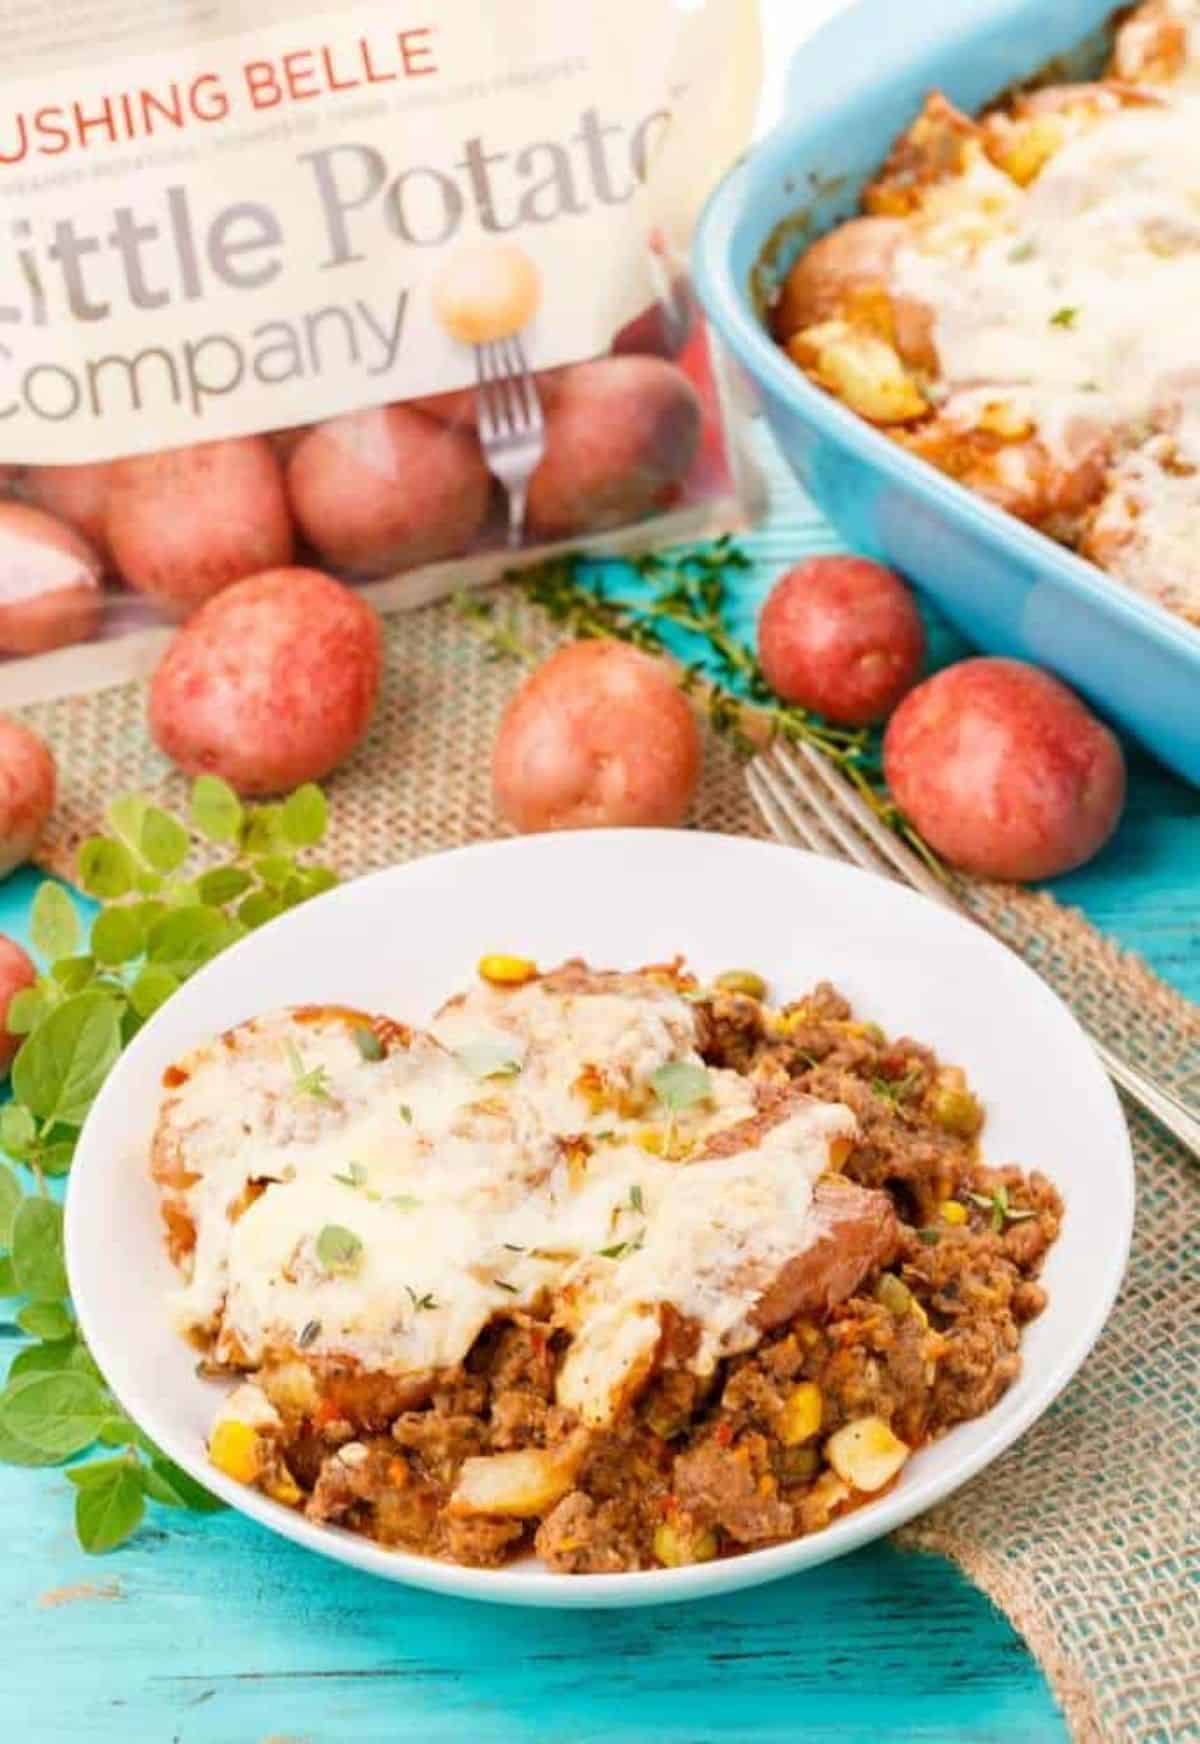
[{"x": 401, "y": 940}]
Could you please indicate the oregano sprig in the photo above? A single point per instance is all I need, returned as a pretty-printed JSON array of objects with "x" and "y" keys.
[{"x": 161, "y": 918}]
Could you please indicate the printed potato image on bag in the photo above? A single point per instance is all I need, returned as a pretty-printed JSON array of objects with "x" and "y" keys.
[{"x": 396, "y": 293}]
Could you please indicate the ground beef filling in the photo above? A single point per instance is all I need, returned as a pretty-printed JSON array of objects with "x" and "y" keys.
[{"x": 700, "y": 1468}]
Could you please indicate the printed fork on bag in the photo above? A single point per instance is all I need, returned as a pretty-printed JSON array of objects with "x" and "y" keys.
[{"x": 512, "y": 429}]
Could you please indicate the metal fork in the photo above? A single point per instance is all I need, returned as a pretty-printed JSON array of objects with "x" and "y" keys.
[
  {"x": 807, "y": 803},
  {"x": 511, "y": 427}
]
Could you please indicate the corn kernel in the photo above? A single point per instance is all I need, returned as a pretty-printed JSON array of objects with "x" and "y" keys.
[
  {"x": 233, "y": 1449},
  {"x": 957, "y": 1111},
  {"x": 866, "y": 1453},
  {"x": 894, "y": 1294},
  {"x": 501, "y": 971},
  {"x": 285, "y": 1489},
  {"x": 1000, "y": 418},
  {"x": 802, "y": 1412},
  {"x": 950, "y": 1211},
  {"x": 650, "y": 1140},
  {"x": 1027, "y": 153}
]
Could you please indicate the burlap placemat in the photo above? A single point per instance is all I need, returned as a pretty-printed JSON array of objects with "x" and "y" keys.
[{"x": 1088, "y": 1533}]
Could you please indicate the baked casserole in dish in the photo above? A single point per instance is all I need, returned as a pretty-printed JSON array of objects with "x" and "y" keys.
[
  {"x": 965, "y": 282},
  {"x": 615, "y": 1266}
]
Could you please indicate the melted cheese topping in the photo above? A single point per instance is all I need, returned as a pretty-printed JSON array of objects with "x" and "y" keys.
[
  {"x": 1076, "y": 309},
  {"x": 454, "y": 1197}
]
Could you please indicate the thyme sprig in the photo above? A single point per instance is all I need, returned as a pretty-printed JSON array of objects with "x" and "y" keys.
[{"x": 688, "y": 589}]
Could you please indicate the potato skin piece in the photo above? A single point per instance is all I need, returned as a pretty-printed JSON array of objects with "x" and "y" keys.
[
  {"x": 857, "y": 1231},
  {"x": 270, "y": 684}
]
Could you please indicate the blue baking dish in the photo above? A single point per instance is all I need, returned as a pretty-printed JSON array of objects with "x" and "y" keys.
[{"x": 1009, "y": 589}]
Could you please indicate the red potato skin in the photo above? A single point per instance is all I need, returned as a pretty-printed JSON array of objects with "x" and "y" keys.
[
  {"x": 621, "y": 435},
  {"x": 600, "y": 735},
  {"x": 270, "y": 684},
  {"x": 375, "y": 492},
  {"x": 184, "y": 524},
  {"x": 841, "y": 636},
  {"x": 1004, "y": 771},
  {"x": 76, "y": 494},
  {"x": 62, "y": 614},
  {"x": 28, "y": 785},
  {"x": 16, "y": 973}
]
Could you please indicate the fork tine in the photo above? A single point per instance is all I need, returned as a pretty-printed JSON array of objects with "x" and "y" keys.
[
  {"x": 770, "y": 813},
  {"x": 485, "y": 416},
  {"x": 773, "y": 798},
  {"x": 790, "y": 773},
  {"x": 901, "y": 858},
  {"x": 520, "y": 372}
]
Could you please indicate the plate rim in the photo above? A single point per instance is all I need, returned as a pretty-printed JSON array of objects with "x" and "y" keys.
[{"x": 541, "y": 1588}]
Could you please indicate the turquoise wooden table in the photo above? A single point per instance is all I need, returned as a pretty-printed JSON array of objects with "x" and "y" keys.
[{"x": 211, "y": 1631}]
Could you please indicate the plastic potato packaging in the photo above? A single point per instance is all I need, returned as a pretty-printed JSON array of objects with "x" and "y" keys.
[{"x": 288, "y": 295}]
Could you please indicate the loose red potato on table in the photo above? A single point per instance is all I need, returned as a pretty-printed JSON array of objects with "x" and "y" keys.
[
  {"x": 186, "y": 523},
  {"x": 841, "y": 636},
  {"x": 28, "y": 782},
  {"x": 50, "y": 594},
  {"x": 388, "y": 489},
  {"x": 16, "y": 973},
  {"x": 1004, "y": 770},
  {"x": 621, "y": 435},
  {"x": 599, "y": 735},
  {"x": 270, "y": 684}
]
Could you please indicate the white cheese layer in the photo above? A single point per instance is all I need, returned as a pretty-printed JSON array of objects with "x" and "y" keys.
[
  {"x": 404, "y": 1202},
  {"x": 1077, "y": 308}
]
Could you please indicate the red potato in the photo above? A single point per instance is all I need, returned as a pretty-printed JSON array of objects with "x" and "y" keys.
[
  {"x": 455, "y": 407},
  {"x": 599, "y": 735},
  {"x": 50, "y": 592},
  {"x": 271, "y": 683},
  {"x": 843, "y": 637},
  {"x": 385, "y": 490},
  {"x": 184, "y": 524},
  {"x": 286, "y": 441},
  {"x": 621, "y": 435},
  {"x": 1004, "y": 771},
  {"x": 28, "y": 782},
  {"x": 76, "y": 494},
  {"x": 16, "y": 973}
]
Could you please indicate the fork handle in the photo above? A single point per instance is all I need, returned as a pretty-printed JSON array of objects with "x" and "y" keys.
[{"x": 1167, "y": 1109}]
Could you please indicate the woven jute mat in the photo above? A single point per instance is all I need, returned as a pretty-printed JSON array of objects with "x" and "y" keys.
[{"x": 1088, "y": 1532}]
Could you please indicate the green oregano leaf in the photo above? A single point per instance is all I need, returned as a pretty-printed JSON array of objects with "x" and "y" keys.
[
  {"x": 680, "y": 1084},
  {"x": 305, "y": 816},
  {"x": 11, "y": 1198},
  {"x": 73, "y": 974},
  {"x": 57, "y": 1414},
  {"x": 216, "y": 809},
  {"x": 49, "y": 1321},
  {"x": 63, "y": 1062},
  {"x": 125, "y": 815},
  {"x": 339, "y": 1250},
  {"x": 25, "y": 1010},
  {"x": 106, "y": 868},
  {"x": 187, "y": 938},
  {"x": 164, "y": 842},
  {"x": 118, "y": 935},
  {"x": 152, "y": 986},
  {"x": 39, "y": 1359},
  {"x": 107, "y": 1512},
  {"x": 37, "y": 1250},
  {"x": 54, "y": 924},
  {"x": 223, "y": 884}
]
